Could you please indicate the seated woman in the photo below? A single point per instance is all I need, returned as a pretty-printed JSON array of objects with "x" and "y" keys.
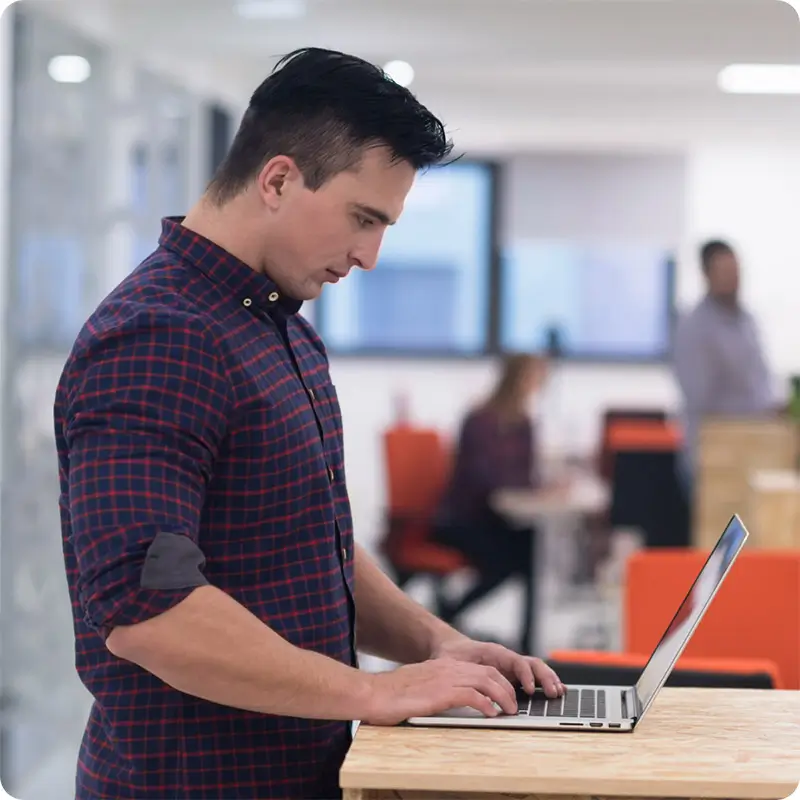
[{"x": 496, "y": 450}]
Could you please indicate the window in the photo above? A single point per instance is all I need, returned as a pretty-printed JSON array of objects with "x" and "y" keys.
[
  {"x": 430, "y": 290},
  {"x": 590, "y": 300}
]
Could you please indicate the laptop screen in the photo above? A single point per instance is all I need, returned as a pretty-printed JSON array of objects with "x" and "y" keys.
[{"x": 691, "y": 610}]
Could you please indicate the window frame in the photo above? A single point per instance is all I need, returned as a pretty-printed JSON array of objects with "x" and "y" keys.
[{"x": 492, "y": 334}]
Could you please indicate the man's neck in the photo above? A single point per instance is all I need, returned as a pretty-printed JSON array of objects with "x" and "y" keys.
[
  {"x": 730, "y": 302},
  {"x": 223, "y": 226}
]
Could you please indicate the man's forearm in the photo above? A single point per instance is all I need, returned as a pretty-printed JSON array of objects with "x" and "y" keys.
[
  {"x": 389, "y": 624},
  {"x": 212, "y": 647}
]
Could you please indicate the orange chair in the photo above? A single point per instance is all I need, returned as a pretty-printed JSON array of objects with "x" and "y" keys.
[
  {"x": 613, "y": 418},
  {"x": 646, "y": 492},
  {"x": 755, "y": 614},
  {"x": 752, "y": 623},
  {"x": 417, "y": 469},
  {"x": 623, "y": 430}
]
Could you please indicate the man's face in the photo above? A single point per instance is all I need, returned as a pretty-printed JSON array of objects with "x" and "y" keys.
[
  {"x": 317, "y": 237},
  {"x": 723, "y": 275}
]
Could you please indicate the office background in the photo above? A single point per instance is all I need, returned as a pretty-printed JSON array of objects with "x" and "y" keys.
[{"x": 608, "y": 143}]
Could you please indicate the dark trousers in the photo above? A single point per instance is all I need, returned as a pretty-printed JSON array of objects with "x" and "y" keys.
[{"x": 497, "y": 552}]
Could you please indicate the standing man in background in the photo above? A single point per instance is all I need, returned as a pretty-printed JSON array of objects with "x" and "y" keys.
[
  {"x": 719, "y": 361},
  {"x": 219, "y": 598}
]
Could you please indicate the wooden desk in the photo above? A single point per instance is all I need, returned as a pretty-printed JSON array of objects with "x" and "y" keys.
[{"x": 694, "y": 743}]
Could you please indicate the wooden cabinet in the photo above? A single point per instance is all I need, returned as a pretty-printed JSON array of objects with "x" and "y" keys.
[{"x": 730, "y": 451}]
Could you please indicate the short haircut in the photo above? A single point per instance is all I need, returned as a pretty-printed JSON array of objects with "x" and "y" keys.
[
  {"x": 711, "y": 249},
  {"x": 323, "y": 108}
]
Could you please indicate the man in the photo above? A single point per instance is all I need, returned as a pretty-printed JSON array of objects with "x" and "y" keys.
[
  {"x": 218, "y": 595},
  {"x": 719, "y": 361}
]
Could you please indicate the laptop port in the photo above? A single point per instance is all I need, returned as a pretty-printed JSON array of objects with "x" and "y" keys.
[
  {"x": 571, "y": 724},
  {"x": 614, "y": 725},
  {"x": 596, "y": 724}
]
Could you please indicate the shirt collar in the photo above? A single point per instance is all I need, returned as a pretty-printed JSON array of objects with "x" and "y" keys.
[
  {"x": 224, "y": 269},
  {"x": 729, "y": 310}
]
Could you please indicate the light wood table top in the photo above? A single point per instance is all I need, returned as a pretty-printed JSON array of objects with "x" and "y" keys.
[{"x": 694, "y": 743}]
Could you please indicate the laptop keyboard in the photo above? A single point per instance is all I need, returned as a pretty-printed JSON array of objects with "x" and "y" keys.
[{"x": 575, "y": 704}]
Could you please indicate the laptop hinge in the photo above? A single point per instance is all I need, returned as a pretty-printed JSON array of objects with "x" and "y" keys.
[{"x": 630, "y": 704}]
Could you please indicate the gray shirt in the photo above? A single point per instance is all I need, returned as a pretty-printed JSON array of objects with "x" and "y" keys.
[{"x": 720, "y": 367}]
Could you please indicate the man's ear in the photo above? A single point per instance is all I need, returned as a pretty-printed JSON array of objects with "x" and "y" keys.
[{"x": 274, "y": 179}]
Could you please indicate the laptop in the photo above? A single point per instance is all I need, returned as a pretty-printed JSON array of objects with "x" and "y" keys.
[{"x": 615, "y": 709}]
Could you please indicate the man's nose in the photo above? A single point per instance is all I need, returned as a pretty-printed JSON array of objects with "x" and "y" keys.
[{"x": 365, "y": 256}]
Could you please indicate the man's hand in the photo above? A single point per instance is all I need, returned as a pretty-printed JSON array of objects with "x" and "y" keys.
[
  {"x": 432, "y": 687},
  {"x": 525, "y": 670}
]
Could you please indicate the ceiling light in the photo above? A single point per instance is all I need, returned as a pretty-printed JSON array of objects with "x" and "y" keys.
[
  {"x": 760, "y": 79},
  {"x": 69, "y": 69},
  {"x": 400, "y": 72},
  {"x": 271, "y": 9}
]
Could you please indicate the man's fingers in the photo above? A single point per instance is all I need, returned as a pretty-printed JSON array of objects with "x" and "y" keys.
[
  {"x": 502, "y": 692},
  {"x": 472, "y": 698},
  {"x": 524, "y": 672},
  {"x": 492, "y": 683},
  {"x": 546, "y": 678}
]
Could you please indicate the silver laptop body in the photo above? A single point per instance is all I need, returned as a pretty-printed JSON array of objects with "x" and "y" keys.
[{"x": 615, "y": 709}]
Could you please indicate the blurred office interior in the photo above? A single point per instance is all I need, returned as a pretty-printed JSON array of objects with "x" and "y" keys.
[{"x": 602, "y": 143}]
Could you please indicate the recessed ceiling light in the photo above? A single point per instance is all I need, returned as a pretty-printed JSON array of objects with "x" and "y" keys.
[
  {"x": 760, "y": 79},
  {"x": 69, "y": 69},
  {"x": 400, "y": 72},
  {"x": 271, "y": 9}
]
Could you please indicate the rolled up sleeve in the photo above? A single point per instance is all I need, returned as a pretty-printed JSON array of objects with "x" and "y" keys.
[{"x": 147, "y": 408}]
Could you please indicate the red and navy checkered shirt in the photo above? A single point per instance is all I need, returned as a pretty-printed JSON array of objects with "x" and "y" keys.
[{"x": 200, "y": 441}]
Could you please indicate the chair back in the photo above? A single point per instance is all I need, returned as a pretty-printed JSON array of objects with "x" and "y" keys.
[
  {"x": 755, "y": 614},
  {"x": 417, "y": 469}
]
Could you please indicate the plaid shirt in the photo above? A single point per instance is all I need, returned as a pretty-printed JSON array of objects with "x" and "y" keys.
[{"x": 200, "y": 441}]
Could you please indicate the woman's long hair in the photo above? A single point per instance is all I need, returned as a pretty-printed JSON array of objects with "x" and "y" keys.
[{"x": 510, "y": 395}]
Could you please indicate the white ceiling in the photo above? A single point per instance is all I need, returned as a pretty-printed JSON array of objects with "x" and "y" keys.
[{"x": 504, "y": 74}]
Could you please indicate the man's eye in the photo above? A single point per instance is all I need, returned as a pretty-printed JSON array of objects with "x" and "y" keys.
[{"x": 365, "y": 222}]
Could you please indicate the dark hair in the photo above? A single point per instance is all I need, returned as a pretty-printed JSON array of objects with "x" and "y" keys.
[
  {"x": 322, "y": 108},
  {"x": 711, "y": 249},
  {"x": 505, "y": 397}
]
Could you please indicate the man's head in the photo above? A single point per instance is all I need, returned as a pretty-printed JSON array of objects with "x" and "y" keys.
[
  {"x": 323, "y": 160},
  {"x": 721, "y": 268}
]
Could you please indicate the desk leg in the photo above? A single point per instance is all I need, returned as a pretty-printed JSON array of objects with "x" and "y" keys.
[{"x": 391, "y": 794}]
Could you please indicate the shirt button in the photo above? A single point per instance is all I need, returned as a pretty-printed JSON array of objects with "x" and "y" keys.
[
  {"x": 344, "y": 554},
  {"x": 247, "y": 302},
  {"x": 273, "y": 297},
  {"x": 331, "y": 474},
  {"x": 312, "y": 395}
]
